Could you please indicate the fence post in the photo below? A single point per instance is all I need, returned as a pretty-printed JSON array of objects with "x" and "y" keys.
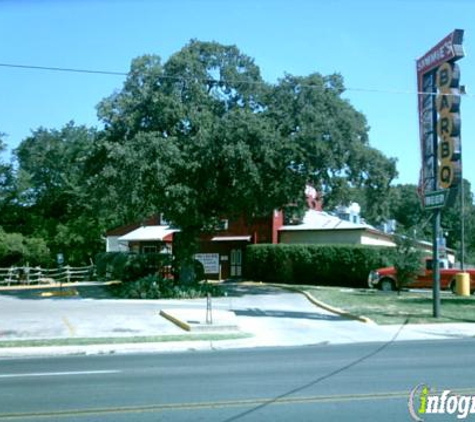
[
  {"x": 39, "y": 274},
  {"x": 27, "y": 274},
  {"x": 10, "y": 274}
]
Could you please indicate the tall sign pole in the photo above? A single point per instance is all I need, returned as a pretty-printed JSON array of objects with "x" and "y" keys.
[{"x": 438, "y": 79}]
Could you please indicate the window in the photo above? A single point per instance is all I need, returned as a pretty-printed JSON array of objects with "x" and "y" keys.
[
  {"x": 149, "y": 249},
  {"x": 222, "y": 225},
  {"x": 236, "y": 262}
]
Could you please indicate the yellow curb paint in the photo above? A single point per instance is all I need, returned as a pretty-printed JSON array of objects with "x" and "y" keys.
[
  {"x": 182, "y": 324},
  {"x": 69, "y": 292},
  {"x": 71, "y": 328}
]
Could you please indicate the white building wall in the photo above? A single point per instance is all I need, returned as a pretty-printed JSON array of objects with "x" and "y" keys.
[
  {"x": 375, "y": 240},
  {"x": 113, "y": 245}
]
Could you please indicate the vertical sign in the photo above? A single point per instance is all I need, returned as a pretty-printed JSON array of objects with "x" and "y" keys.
[
  {"x": 448, "y": 125},
  {"x": 439, "y": 128},
  {"x": 439, "y": 122}
]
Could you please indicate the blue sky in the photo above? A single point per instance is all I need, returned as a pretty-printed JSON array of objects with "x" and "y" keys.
[{"x": 373, "y": 44}]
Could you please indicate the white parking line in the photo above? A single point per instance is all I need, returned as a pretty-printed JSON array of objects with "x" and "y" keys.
[{"x": 59, "y": 374}]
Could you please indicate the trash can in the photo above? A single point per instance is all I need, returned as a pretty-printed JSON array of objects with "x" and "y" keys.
[{"x": 462, "y": 284}]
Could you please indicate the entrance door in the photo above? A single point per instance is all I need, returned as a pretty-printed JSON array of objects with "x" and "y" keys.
[{"x": 236, "y": 262}]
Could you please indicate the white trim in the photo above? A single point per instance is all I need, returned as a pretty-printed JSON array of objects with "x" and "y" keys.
[{"x": 231, "y": 239}]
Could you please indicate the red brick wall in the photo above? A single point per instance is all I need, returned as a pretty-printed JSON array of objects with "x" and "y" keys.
[{"x": 261, "y": 229}]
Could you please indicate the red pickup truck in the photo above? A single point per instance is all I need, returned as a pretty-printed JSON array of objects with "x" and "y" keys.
[{"x": 386, "y": 279}]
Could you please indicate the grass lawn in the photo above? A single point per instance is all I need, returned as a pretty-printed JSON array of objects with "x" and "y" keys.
[{"x": 391, "y": 308}]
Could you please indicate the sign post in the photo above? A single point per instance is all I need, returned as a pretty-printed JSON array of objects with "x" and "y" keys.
[
  {"x": 60, "y": 261},
  {"x": 438, "y": 79}
]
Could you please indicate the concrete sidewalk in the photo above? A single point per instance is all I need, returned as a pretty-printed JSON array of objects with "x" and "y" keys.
[{"x": 270, "y": 316}]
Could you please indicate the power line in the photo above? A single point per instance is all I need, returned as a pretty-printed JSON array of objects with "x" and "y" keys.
[
  {"x": 62, "y": 69},
  {"x": 183, "y": 79}
]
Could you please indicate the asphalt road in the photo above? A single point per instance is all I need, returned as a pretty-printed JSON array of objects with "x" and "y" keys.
[{"x": 357, "y": 382}]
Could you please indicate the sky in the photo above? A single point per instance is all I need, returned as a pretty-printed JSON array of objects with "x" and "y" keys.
[{"x": 373, "y": 44}]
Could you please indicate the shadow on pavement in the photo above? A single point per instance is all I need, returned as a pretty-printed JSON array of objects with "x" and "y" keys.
[
  {"x": 238, "y": 290},
  {"x": 65, "y": 293},
  {"x": 285, "y": 314}
]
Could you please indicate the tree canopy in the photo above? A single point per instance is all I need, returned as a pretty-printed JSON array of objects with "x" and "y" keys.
[
  {"x": 203, "y": 136},
  {"x": 197, "y": 138},
  {"x": 7, "y": 189},
  {"x": 53, "y": 201},
  {"x": 405, "y": 207},
  {"x": 330, "y": 141}
]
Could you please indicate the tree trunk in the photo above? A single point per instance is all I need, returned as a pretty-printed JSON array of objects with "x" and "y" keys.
[{"x": 185, "y": 247}]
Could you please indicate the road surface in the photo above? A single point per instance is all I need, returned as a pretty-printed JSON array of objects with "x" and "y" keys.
[{"x": 356, "y": 382}]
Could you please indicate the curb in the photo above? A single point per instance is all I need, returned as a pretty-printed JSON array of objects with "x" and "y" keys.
[
  {"x": 122, "y": 348},
  {"x": 198, "y": 326},
  {"x": 334, "y": 310},
  {"x": 315, "y": 302}
]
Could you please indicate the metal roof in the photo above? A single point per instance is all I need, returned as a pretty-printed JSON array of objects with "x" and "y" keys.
[
  {"x": 148, "y": 233},
  {"x": 319, "y": 220}
]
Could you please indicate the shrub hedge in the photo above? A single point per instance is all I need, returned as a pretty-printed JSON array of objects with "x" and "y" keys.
[
  {"x": 154, "y": 287},
  {"x": 329, "y": 265},
  {"x": 128, "y": 266}
]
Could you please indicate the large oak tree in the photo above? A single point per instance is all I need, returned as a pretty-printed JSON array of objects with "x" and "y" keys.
[{"x": 202, "y": 136}]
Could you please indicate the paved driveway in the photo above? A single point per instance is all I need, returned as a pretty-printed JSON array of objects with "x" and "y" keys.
[{"x": 273, "y": 316}]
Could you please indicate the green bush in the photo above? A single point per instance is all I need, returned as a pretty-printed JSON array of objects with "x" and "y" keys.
[
  {"x": 407, "y": 259},
  {"x": 330, "y": 265},
  {"x": 199, "y": 269},
  {"x": 126, "y": 266},
  {"x": 154, "y": 287},
  {"x": 16, "y": 249}
]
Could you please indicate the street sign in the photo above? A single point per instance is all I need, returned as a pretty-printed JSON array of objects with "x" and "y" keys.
[
  {"x": 435, "y": 199},
  {"x": 60, "y": 259}
]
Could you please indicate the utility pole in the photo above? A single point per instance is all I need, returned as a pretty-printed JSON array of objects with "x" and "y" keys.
[
  {"x": 435, "y": 265},
  {"x": 462, "y": 225},
  {"x": 436, "y": 215}
]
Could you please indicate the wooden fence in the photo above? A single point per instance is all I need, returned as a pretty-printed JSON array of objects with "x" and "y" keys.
[{"x": 38, "y": 275}]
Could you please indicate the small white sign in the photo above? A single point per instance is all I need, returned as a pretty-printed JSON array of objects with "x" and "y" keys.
[{"x": 210, "y": 262}]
